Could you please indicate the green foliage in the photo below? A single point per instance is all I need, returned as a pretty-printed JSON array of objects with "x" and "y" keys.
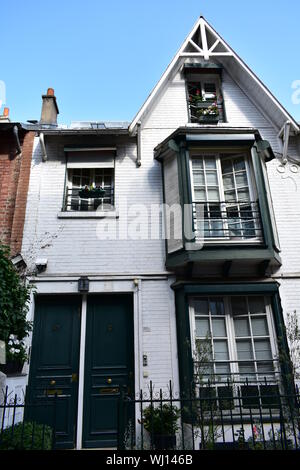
[
  {"x": 14, "y": 300},
  {"x": 26, "y": 436},
  {"x": 161, "y": 420}
]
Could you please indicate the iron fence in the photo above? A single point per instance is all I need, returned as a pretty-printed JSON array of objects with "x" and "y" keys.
[
  {"x": 19, "y": 430},
  {"x": 210, "y": 417}
]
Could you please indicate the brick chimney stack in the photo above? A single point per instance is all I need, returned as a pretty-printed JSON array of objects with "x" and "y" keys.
[{"x": 49, "y": 109}]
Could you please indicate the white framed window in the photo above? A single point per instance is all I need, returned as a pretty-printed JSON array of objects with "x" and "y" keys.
[
  {"x": 235, "y": 337},
  {"x": 224, "y": 196},
  {"x": 79, "y": 178}
]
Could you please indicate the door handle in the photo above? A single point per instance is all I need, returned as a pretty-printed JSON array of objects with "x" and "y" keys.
[
  {"x": 109, "y": 381},
  {"x": 74, "y": 377},
  {"x": 52, "y": 382}
]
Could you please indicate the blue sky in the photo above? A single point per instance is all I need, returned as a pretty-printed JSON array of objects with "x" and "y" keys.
[{"x": 103, "y": 58}]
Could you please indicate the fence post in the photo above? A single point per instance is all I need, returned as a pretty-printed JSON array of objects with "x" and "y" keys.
[{"x": 2, "y": 393}]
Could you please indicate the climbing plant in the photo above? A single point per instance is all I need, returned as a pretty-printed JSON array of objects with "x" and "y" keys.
[{"x": 14, "y": 300}]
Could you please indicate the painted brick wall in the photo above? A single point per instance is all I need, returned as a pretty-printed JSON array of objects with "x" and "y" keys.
[{"x": 159, "y": 334}]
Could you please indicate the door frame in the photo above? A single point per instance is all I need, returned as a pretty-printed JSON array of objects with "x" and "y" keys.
[
  {"x": 132, "y": 285},
  {"x": 137, "y": 327}
]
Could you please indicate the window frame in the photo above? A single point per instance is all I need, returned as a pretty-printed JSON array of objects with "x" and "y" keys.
[
  {"x": 202, "y": 79},
  {"x": 102, "y": 206},
  {"x": 253, "y": 192},
  {"x": 230, "y": 331}
]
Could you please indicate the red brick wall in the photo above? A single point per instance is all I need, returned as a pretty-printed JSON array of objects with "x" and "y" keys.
[{"x": 14, "y": 181}]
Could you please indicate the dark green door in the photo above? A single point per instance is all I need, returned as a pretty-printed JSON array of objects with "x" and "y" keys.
[
  {"x": 109, "y": 365},
  {"x": 54, "y": 365}
]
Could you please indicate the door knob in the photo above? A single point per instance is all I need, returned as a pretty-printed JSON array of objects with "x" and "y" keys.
[
  {"x": 109, "y": 381},
  {"x": 52, "y": 382},
  {"x": 74, "y": 377}
]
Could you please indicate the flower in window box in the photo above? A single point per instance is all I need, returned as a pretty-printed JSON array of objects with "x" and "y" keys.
[
  {"x": 92, "y": 191},
  {"x": 211, "y": 110}
]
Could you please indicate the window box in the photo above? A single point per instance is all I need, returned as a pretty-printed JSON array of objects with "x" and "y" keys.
[
  {"x": 91, "y": 193},
  {"x": 213, "y": 119}
]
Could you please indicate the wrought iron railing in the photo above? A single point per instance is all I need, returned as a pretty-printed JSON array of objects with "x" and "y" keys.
[
  {"x": 73, "y": 202},
  {"x": 237, "y": 220},
  {"x": 203, "y": 418},
  {"x": 19, "y": 430}
]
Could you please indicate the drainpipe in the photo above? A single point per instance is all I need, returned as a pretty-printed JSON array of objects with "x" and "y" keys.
[
  {"x": 16, "y": 135},
  {"x": 42, "y": 144},
  {"x": 138, "y": 157}
]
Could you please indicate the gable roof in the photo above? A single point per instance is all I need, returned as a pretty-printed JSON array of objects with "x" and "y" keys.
[{"x": 204, "y": 42}]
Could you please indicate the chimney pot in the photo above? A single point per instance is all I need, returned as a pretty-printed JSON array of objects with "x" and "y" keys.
[
  {"x": 50, "y": 92},
  {"x": 6, "y": 112}
]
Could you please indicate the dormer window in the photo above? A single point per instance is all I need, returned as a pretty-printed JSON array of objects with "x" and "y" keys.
[{"x": 205, "y": 102}]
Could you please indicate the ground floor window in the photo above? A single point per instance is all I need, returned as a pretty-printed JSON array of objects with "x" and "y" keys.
[{"x": 233, "y": 337}]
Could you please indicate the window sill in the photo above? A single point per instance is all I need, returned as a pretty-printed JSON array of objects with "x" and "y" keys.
[{"x": 113, "y": 214}]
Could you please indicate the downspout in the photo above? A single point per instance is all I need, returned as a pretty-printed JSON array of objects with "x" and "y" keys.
[
  {"x": 17, "y": 140},
  {"x": 42, "y": 144},
  {"x": 139, "y": 144}
]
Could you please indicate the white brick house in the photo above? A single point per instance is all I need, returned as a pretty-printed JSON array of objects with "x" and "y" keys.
[{"x": 239, "y": 171}]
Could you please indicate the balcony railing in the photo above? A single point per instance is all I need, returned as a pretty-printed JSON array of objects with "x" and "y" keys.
[
  {"x": 73, "y": 202},
  {"x": 233, "y": 221}
]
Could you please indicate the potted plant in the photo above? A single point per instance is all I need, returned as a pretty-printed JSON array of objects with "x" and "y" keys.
[
  {"x": 91, "y": 192},
  {"x": 161, "y": 423},
  {"x": 16, "y": 355}
]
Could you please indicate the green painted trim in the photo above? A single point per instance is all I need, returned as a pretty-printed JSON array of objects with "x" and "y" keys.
[
  {"x": 230, "y": 288},
  {"x": 262, "y": 198},
  {"x": 164, "y": 202},
  {"x": 185, "y": 359},
  {"x": 221, "y": 253}
]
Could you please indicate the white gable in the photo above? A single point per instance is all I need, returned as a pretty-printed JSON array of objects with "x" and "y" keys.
[{"x": 205, "y": 43}]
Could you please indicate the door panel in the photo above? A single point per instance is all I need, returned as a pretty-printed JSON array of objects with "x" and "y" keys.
[
  {"x": 109, "y": 365},
  {"x": 54, "y": 365}
]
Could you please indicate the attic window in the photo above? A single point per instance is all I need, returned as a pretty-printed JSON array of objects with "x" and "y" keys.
[{"x": 205, "y": 101}]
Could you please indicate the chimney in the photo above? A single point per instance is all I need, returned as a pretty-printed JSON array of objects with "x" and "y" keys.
[
  {"x": 5, "y": 116},
  {"x": 49, "y": 109}
]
